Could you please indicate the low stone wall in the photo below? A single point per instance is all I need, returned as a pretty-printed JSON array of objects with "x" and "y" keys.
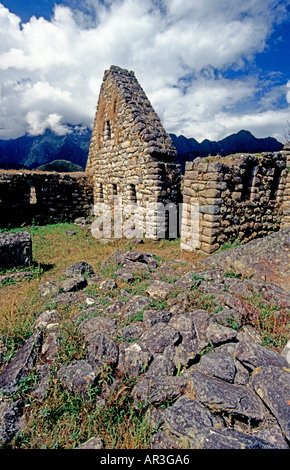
[
  {"x": 239, "y": 197},
  {"x": 43, "y": 197}
]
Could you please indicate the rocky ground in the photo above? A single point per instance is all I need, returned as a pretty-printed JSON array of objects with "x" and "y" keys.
[{"x": 202, "y": 367}]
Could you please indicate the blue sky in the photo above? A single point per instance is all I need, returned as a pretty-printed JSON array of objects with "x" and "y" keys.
[{"x": 209, "y": 68}]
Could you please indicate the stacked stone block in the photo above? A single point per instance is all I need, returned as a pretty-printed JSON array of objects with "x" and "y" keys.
[
  {"x": 131, "y": 155},
  {"x": 285, "y": 204},
  {"x": 238, "y": 197},
  {"x": 43, "y": 197}
]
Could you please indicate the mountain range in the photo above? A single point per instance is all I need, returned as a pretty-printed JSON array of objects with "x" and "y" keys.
[
  {"x": 31, "y": 152},
  {"x": 242, "y": 142}
]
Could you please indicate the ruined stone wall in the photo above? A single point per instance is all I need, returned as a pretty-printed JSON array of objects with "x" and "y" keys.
[
  {"x": 130, "y": 154},
  {"x": 43, "y": 197},
  {"x": 239, "y": 197}
]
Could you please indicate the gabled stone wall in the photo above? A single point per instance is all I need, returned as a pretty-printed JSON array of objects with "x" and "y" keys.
[
  {"x": 131, "y": 155},
  {"x": 239, "y": 197},
  {"x": 27, "y": 196}
]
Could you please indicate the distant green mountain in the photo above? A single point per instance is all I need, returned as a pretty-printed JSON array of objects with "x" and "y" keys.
[
  {"x": 61, "y": 166},
  {"x": 31, "y": 152}
]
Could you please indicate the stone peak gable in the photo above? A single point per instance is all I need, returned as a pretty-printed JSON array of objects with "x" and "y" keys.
[{"x": 123, "y": 108}]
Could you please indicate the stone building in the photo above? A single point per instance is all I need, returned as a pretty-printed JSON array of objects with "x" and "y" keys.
[
  {"x": 238, "y": 197},
  {"x": 131, "y": 156}
]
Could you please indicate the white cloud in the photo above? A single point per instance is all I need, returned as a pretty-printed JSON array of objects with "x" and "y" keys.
[{"x": 52, "y": 70}]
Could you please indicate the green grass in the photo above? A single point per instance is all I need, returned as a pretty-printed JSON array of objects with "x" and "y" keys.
[{"x": 63, "y": 419}]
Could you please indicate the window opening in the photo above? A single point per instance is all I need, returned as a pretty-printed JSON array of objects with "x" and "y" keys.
[
  {"x": 132, "y": 193},
  {"x": 100, "y": 192},
  {"x": 275, "y": 183},
  {"x": 248, "y": 181},
  {"x": 107, "y": 130},
  {"x": 115, "y": 190},
  {"x": 32, "y": 196}
]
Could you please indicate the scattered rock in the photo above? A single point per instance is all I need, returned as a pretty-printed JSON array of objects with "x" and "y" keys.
[
  {"x": 218, "y": 394},
  {"x": 272, "y": 384},
  {"x": 14, "y": 277},
  {"x": 47, "y": 288},
  {"x": 158, "y": 337},
  {"x": 133, "y": 358},
  {"x": 47, "y": 318},
  {"x": 124, "y": 275},
  {"x": 20, "y": 364},
  {"x": 93, "y": 443},
  {"x": 230, "y": 439},
  {"x": 150, "y": 317},
  {"x": 67, "y": 298},
  {"x": 136, "y": 304},
  {"x": 218, "y": 334},
  {"x": 159, "y": 289},
  {"x": 73, "y": 284},
  {"x": 254, "y": 355},
  {"x": 11, "y": 422},
  {"x": 102, "y": 349},
  {"x": 78, "y": 376},
  {"x": 15, "y": 249},
  {"x": 286, "y": 352},
  {"x": 79, "y": 269},
  {"x": 131, "y": 331},
  {"x": 108, "y": 284},
  {"x": 70, "y": 233},
  {"x": 96, "y": 325},
  {"x": 159, "y": 390}
]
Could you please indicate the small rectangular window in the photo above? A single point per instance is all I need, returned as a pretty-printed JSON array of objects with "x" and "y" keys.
[
  {"x": 132, "y": 193},
  {"x": 115, "y": 190}
]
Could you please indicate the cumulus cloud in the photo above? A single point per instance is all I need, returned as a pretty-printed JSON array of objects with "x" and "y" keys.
[{"x": 179, "y": 49}]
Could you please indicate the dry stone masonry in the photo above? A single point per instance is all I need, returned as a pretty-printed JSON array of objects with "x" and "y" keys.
[
  {"x": 43, "y": 197},
  {"x": 239, "y": 197},
  {"x": 130, "y": 154}
]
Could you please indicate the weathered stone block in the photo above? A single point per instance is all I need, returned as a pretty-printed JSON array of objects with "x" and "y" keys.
[{"x": 15, "y": 249}]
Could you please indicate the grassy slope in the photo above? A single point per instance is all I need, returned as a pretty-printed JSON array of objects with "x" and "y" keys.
[{"x": 62, "y": 420}]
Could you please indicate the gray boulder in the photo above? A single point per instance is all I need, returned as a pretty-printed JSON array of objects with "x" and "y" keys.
[
  {"x": 158, "y": 337},
  {"x": 15, "y": 249},
  {"x": 78, "y": 376},
  {"x": 272, "y": 384},
  {"x": 79, "y": 269},
  {"x": 254, "y": 355},
  {"x": 133, "y": 359},
  {"x": 20, "y": 364},
  {"x": 223, "y": 396}
]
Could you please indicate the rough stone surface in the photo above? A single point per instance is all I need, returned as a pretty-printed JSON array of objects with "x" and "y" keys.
[
  {"x": 131, "y": 156},
  {"x": 206, "y": 384},
  {"x": 219, "y": 394},
  {"x": 93, "y": 443},
  {"x": 19, "y": 366},
  {"x": 158, "y": 337},
  {"x": 15, "y": 249},
  {"x": 77, "y": 376},
  {"x": 272, "y": 384},
  {"x": 79, "y": 269}
]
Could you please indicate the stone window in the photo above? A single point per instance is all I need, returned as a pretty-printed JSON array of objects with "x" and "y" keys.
[
  {"x": 115, "y": 189},
  {"x": 32, "y": 196},
  {"x": 248, "y": 177},
  {"x": 107, "y": 130},
  {"x": 275, "y": 183},
  {"x": 132, "y": 193},
  {"x": 100, "y": 192}
]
